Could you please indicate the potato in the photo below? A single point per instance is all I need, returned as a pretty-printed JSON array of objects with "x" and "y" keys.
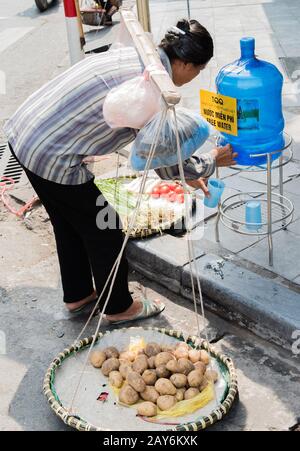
[
  {"x": 179, "y": 380},
  {"x": 147, "y": 409},
  {"x": 173, "y": 366},
  {"x": 194, "y": 355},
  {"x": 111, "y": 352},
  {"x": 211, "y": 375},
  {"x": 168, "y": 348},
  {"x": 180, "y": 394},
  {"x": 136, "y": 381},
  {"x": 128, "y": 395},
  {"x": 125, "y": 368},
  {"x": 150, "y": 394},
  {"x": 140, "y": 364},
  {"x": 109, "y": 365},
  {"x": 163, "y": 358},
  {"x": 162, "y": 371},
  {"x": 204, "y": 383},
  {"x": 149, "y": 377},
  {"x": 116, "y": 379},
  {"x": 97, "y": 358},
  {"x": 166, "y": 402},
  {"x": 195, "y": 378},
  {"x": 181, "y": 353},
  {"x": 141, "y": 352},
  {"x": 185, "y": 366},
  {"x": 183, "y": 344},
  {"x": 165, "y": 387},
  {"x": 205, "y": 357},
  {"x": 151, "y": 362},
  {"x": 127, "y": 356},
  {"x": 152, "y": 349},
  {"x": 200, "y": 366},
  {"x": 191, "y": 393}
]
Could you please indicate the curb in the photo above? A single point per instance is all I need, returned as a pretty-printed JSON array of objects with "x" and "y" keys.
[{"x": 268, "y": 309}]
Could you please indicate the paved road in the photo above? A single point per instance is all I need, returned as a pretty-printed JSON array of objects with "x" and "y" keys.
[{"x": 33, "y": 49}]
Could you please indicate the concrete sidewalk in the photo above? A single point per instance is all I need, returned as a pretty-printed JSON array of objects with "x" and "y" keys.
[{"x": 265, "y": 299}]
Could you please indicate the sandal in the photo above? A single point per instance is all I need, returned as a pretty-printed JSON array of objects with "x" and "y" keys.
[
  {"x": 150, "y": 309},
  {"x": 87, "y": 308}
]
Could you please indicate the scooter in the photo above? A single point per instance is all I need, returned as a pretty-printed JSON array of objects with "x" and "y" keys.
[{"x": 43, "y": 5}]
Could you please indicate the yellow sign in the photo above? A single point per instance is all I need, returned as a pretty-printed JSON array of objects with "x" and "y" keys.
[{"x": 220, "y": 111}]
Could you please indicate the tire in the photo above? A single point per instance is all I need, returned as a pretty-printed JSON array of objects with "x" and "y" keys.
[{"x": 42, "y": 5}]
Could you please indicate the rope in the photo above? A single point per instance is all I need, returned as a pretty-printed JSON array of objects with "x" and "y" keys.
[
  {"x": 114, "y": 271},
  {"x": 191, "y": 251},
  {"x": 7, "y": 184}
]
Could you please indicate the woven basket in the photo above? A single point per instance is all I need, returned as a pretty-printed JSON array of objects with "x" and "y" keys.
[
  {"x": 93, "y": 16},
  {"x": 137, "y": 232},
  {"x": 204, "y": 422}
]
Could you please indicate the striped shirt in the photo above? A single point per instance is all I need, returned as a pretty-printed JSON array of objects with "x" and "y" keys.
[{"x": 62, "y": 123}]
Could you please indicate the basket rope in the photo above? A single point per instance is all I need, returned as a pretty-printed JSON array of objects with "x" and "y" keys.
[{"x": 113, "y": 274}]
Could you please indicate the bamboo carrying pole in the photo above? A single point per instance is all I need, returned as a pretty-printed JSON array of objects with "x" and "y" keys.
[
  {"x": 144, "y": 14},
  {"x": 81, "y": 32},
  {"x": 149, "y": 56}
]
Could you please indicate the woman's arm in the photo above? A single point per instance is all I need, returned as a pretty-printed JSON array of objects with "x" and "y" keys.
[
  {"x": 197, "y": 169},
  {"x": 193, "y": 168}
]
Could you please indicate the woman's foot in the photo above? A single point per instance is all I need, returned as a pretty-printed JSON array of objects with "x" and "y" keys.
[
  {"x": 74, "y": 306},
  {"x": 135, "y": 308},
  {"x": 138, "y": 311}
]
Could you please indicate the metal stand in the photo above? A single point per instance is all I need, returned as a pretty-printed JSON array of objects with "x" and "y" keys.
[{"x": 277, "y": 210}]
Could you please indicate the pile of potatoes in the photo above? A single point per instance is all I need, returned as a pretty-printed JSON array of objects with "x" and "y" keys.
[{"x": 159, "y": 375}]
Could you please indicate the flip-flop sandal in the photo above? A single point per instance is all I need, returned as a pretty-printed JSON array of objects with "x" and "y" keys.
[
  {"x": 150, "y": 308},
  {"x": 86, "y": 308}
]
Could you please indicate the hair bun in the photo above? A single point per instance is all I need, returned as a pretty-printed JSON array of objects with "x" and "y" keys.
[
  {"x": 183, "y": 25},
  {"x": 171, "y": 37}
]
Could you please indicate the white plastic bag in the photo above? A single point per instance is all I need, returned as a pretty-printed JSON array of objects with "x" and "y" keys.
[
  {"x": 193, "y": 131},
  {"x": 132, "y": 104}
]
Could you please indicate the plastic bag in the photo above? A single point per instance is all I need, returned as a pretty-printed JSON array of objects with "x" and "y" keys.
[
  {"x": 193, "y": 132},
  {"x": 132, "y": 104}
]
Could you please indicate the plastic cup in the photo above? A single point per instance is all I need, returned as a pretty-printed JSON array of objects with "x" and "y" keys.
[
  {"x": 253, "y": 215},
  {"x": 216, "y": 188}
]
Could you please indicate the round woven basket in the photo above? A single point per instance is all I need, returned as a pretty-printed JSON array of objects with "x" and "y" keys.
[
  {"x": 81, "y": 424},
  {"x": 138, "y": 232},
  {"x": 92, "y": 16}
]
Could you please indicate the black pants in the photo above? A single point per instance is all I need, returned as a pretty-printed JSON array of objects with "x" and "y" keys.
[{"x": 84, "y": 251}]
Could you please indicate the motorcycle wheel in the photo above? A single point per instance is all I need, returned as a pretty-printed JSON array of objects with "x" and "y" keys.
[{"x": 42, "y": 4}]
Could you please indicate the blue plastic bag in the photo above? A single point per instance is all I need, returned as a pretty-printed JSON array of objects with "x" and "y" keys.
[{"x": 193, "y": 132}]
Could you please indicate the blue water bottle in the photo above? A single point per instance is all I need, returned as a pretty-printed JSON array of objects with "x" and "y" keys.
[{"x": 257, "y": 86}]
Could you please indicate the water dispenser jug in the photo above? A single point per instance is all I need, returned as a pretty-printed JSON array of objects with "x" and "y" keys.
[{"x": 257, "y": 86}]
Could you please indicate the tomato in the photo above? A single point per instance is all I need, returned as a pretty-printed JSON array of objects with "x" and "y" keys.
[
  {"x": 165, "y": 196},
  {"x": 172, "y": 197},
  {"x": 164, "y": 189},
  {"x": 180, "y": 198},
  {"x": 173, "y": 187},
  {"x": 156, "y": 191},
  {"x": 179, "y": 190},
  {"x": 155, "y": 196}
]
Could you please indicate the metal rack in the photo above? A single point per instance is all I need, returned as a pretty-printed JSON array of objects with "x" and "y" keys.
[{"x": 277, "y": 210}]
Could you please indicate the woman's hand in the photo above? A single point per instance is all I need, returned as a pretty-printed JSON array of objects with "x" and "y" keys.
[
  {"x": 224, "y": 156},
  {"x": 199, "y": 184}
]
